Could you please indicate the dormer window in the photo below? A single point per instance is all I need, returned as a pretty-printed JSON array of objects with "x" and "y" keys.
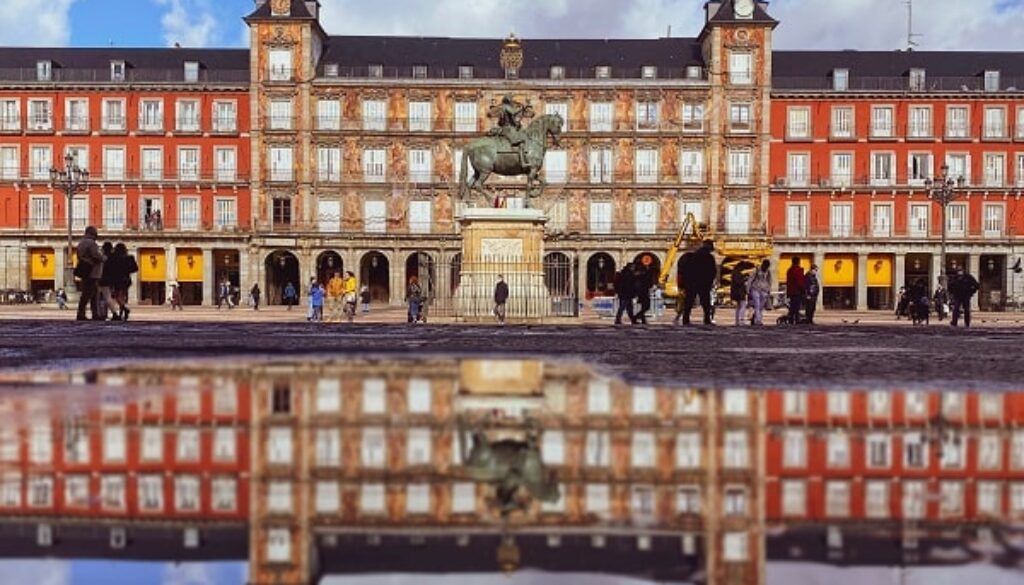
[
  {"x": 991, "y": 81},
  {"x": 649, "y": 72},
  {"x": 191, "y": 71},
  {"x": 917, "y": 79},
  {"x": 44, "y": 71},
  {"x": 419, "y": 71},
  {"x": 465, "y": 72},
  {"x": 693, "y": 72},
  {"x": 376, "y": 71},
  {"x": 557, "y": 72},
  {"x": 331, "y": 69},
  {"x": 840, "y": 79},
  {"x": 117, "y": 71},
  {"x": 603, "y": 72}
]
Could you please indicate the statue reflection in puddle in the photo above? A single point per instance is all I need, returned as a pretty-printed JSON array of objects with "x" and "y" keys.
[{"x": 511, "y": 466}]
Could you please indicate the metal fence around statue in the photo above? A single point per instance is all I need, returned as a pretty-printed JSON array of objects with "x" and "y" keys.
[{"x": 543, "y": 290}]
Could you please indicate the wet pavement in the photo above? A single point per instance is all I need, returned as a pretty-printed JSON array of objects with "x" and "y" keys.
[{"x": 841, "y": 356}]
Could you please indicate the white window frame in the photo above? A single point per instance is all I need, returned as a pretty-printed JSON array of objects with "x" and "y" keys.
[
  {"x": 741, "y": 67},
  {"x": 883, "y": 126},
  {"x": 797, "y": 215},
  {"x": 375, "y": 115},
  {"x": 115, "y": 212},
  {"x": 798, "y": 123},
  {"x": 184, "y": 120},
  {"x": 881, "y": 220},
  {"x": 602, "y": 116},
  {"x": 843, "y": 120},
  {"x": 841, "y": 220},
  {"x": 993, "y": 220}
]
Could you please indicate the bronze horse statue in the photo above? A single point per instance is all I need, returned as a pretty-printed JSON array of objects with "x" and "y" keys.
[
  {"x": 509, "y": 465},
  {"x": 494, "y": 155}
]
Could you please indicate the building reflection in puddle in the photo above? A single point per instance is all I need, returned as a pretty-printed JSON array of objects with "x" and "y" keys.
[{"x": 483, "y": 466}]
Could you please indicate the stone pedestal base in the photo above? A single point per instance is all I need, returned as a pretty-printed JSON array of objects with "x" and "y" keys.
[{"x": 506, "y": 242}]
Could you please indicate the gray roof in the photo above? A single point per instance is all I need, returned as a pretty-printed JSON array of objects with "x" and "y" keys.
[
  {"x": 298, "y": 11},
  {"x": 143, "y": 65},
  {"x": 884, "y": 70},
  {"x": 443, "y": 56}
]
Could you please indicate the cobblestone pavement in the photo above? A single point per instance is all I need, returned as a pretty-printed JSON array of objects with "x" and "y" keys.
[{"x": 862, "y": 356}]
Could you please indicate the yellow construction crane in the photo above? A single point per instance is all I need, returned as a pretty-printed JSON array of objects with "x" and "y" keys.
[{"x": 745, "y": 252}]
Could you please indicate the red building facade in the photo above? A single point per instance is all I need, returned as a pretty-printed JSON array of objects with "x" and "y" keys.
[
  {"x": 855, "y": 138},
  {"x": 164, "y": 136}
]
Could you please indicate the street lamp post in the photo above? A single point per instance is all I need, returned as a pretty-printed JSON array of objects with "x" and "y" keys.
[
  {"x": 944, "y": 191},
  {"x": 70, "y": 179}
]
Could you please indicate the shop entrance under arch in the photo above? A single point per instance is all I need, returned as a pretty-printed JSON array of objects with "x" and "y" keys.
[
  {"x": 328, "y": 264},
  {"x": 600, "y": 276},
  {"x": 375, "y": 273},
  {"x": 281, "y": 267}
]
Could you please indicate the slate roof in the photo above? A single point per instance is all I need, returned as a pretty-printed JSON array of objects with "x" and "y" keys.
[
  {"x": 945, "y": 70},
  {"x": 727, "y": 14},
  {"x": 298, "y": 11},
  {"x": 443, "y": 56},
  {"x": 143, "y": 65}
]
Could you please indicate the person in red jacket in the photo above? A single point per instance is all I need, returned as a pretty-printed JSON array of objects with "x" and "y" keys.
[{"x": 796, "y": 288}]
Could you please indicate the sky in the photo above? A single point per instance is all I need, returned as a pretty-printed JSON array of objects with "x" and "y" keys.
[{"x": 806, "y": 24}]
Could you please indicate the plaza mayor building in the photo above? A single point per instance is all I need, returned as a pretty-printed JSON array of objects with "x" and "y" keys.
[{"x": 310, "y": 154}]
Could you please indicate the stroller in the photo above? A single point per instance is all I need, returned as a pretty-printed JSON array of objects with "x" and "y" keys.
[{"x": 919, "y": 306}]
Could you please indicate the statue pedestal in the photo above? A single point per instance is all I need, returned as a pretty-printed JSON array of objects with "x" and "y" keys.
[{"x": 507, "y": 242}]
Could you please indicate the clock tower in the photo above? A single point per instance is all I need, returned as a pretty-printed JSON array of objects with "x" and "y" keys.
[{"x": 737, "y": 45}]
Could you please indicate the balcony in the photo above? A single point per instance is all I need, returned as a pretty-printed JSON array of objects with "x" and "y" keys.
[
  {"x": 76, "y": 125},
  {"x": 921, "y": 131},
  {"x": 10, "y": 125},
  {"x": 225, "y": 125},
  {"x": 114, "y": 125},
  {"x": 857, "y": 83},
  {"x": 279, "y": 123},
  {"x": 237, "y": 77},
  {"x": 38, "y": 125},
  {"x": 995, "y": 132},
  {"x": 280, "y": 74},
  {"x": 188, "y": 125}
]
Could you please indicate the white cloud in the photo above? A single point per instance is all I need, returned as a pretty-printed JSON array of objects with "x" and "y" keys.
[
  {"x": 35, "y": 23},
  {"x": 189, "y": 23},
  {"x": 807, "y": 24},
  {"x": 49, "y": 572}
]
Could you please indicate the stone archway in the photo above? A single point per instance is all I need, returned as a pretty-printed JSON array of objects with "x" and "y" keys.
[
  {"x": 600, "y": 275},
  {"x": 375, "y": 273},
  {"x": 422, "y": 266},
  {"x": 281, "y": 267},
  {"x": 328, "y": 264}
]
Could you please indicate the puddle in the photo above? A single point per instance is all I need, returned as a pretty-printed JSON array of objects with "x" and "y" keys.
[{"x": 465, "y": 471}]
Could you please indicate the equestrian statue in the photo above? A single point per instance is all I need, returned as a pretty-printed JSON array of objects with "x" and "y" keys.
[
  {"x": 509, "y": 466},
  {"x": 510, "y": 150}
]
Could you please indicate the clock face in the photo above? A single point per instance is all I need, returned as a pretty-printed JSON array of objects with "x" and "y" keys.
[
  {"x": 282, "y": 7},
  {"x": 744, "y": 8}
]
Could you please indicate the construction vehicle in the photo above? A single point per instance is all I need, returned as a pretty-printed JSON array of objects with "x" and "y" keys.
[{"x": 733, "y": 251}]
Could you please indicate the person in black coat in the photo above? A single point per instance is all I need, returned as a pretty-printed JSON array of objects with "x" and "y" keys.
[
  {"x": 625, "y": 289},
  {"x": 500, "y": 298},
  {"x": 642, "y": 286},
  {"x": 697, "y": 278},
  {"x": 125, "y": 267}
]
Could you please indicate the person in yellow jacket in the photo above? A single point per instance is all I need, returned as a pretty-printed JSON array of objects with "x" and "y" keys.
[
  {"x": 335, "y": 294},
  {"x": 350, "y": 295}
]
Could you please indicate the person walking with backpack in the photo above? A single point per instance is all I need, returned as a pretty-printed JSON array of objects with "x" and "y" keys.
[
  {"x": 127, "y": 266},
  {"x": 89, "y": 271},
  {"x": 760, "y": 287},
  {"x": 625, "y": 291},
  {"x": 813, "y": 289},
  {"x": 738, "y": 294},
  {"x": 962, "y": 286}
]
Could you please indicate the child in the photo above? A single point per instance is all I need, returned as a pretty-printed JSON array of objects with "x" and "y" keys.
[{"x": 317, "y": 300}]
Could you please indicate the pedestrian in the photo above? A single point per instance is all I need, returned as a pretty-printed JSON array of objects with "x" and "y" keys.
[
  {"x": 919, "y": 302},
  {"x": 254, "y": 294},
  {"x": 796, "y": 289},
  {"x": 176, "y": 297},
  {"x": 414, "y": 298},
  {"x": 106, "y": 284},
  {"x": 642, "y": 290},
  {"x": 760, "y": 287},
  {"x": 309, "y": 295},
  {"x": 350, "y": 298},
  {"x": 335, "y": 298},
  {"x": 683, "y": 269},
  {"x": 290, "y": 295},
  {"x": 738, "y": 294},
  {"x": 127, "y": 266},
  {"x": 625, "y": 291},
  {"x": 698, "y": 280},
  {"x": 813, "y": 289},
  {"x": 941, "y": 300},
  {"x": 902, "y": 302},
  {"x": 224, "y": 294},
  {"x": 316, "y": 300},
  {"x": 364, "y": 298},
  {"x": 89, "y": 271},
  {"x": 962, "y": 287},
  {"x": 62, "y": 299},
  {"x": 501, "y": 299}
]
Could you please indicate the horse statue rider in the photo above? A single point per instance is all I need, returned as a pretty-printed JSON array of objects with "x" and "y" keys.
[{"x": 510, "y": 125}]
